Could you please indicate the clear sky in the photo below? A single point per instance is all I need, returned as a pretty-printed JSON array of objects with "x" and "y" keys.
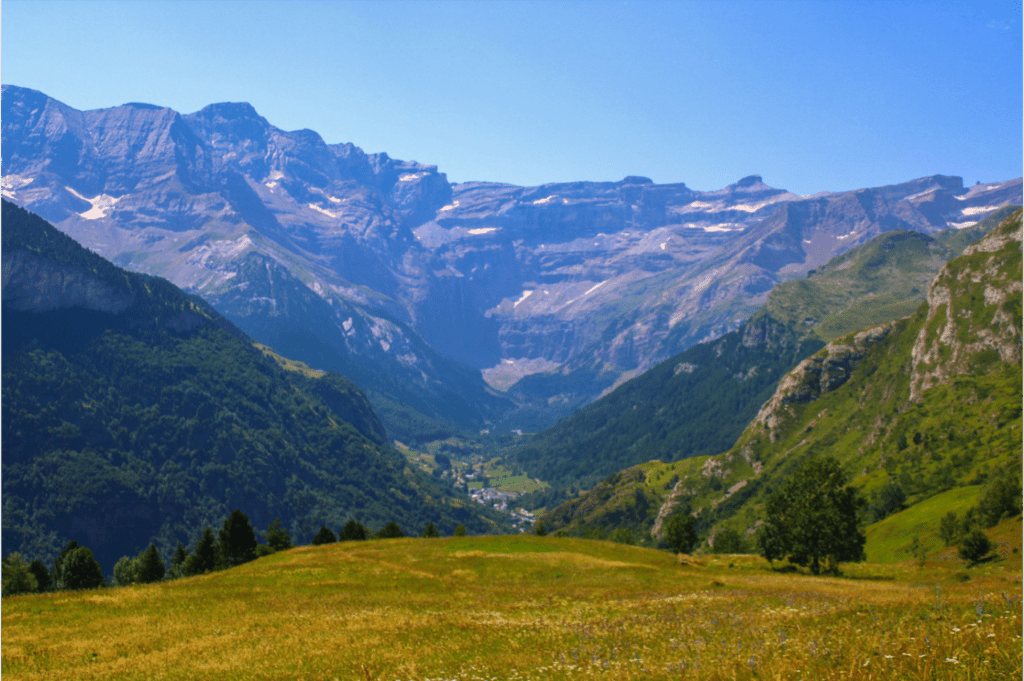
[{"x": 813, "y": 96}]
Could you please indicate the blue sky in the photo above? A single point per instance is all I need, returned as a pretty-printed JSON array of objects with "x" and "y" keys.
[{"x": 813, "y": 96}]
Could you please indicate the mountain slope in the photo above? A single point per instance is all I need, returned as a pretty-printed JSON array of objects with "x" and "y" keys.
[
  {"x": 699, "y": 402},
  {"x": 930, "y": 402},
  {"x": 135, "y": 413},
  {"x": 347, "y": 260}
]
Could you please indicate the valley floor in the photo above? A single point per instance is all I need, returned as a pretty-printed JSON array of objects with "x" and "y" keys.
[{"x": 524, "y": 607}]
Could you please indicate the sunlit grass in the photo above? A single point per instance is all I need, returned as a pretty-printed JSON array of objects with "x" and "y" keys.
[{"x": 524, "y": 608}]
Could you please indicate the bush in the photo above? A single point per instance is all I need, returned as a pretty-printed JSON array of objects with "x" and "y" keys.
[
  {"x": 974, "y": 547},
  {"x": 460, "y": 530},
  {"x": 430, "y": 532},
  {"x": 264, "y": 550},
  {"x": 621, "y": 535},
  {"x": 324, "y": 536},
  {"x": 949, "y": 528},
  {"x": 17, "y": 576},
  {"x": 539, "y": 529}
]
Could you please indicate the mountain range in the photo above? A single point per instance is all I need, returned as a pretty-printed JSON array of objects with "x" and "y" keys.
[
  {"x": 473, "y": 305},
  {"x": 135, "y": 413}
]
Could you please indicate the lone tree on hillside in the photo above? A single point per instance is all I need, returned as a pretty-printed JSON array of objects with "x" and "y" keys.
[
  {"x": 353, "y": 531},
  {"x": 431, "y": 531},
  {"x": 680, "y": 532},
  {"x": 812, "y": 518},
  {"x": 391, "y": 531}
]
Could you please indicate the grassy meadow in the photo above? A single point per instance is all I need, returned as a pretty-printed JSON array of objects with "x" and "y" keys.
[{"x": 524, "y": 607}]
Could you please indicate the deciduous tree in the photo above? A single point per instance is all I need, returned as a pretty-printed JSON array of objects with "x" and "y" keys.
[{"x": 812, "y": 518}]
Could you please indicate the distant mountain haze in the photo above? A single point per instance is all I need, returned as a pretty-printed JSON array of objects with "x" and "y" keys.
[{"x": 475, "y": 304}]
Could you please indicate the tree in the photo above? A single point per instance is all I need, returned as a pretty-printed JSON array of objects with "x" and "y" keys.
[
  {"x": 812, "y": 518},
  {"x": 728, "y": 540},
  {"x": 391, "y": 531},
  {"x": 430, "y": 532},
  {"x": 975, "y": 546},
  {"x": 80, "y": 570},
  {"x": 324, "y": 536},
  {"x": 891, "y": 499},
  {"x": 204, "y": 557},
  {"x": 277, "y": 537},
  {"x": 43, "y": 577},
  {"x": 238, "y": 539},
  {"x": 353, "y": 531},
  {"x": 17, "y": 576},
  {"x": 149, "y": 566},
  {"x": 178, "y": 560},
  {"x": 1001, "y": 499},
  {"x": 539, "y": 529},
  {"x": 124, "y": 571},
  {"x": 949, "y": 528},
  {"x": 621, "y": 535},
  {"x": 460, "y": 530},
  {"x": 680, "y": 532}
]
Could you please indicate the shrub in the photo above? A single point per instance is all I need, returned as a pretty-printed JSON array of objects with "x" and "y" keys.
[
  {"x": 264, "y": 550},
  {"x": 974, "y": 547},
  {"x": 460, "y": 530},
  {"x": 539, "y": 529},
  {"x": 430, "y": 532},
  {"x": 42, "y": 575}
]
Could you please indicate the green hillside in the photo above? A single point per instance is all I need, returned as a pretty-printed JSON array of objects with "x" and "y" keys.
[
  {"x": 930, "y": 403},
  {"x": 135, "y": 413},
  {"x": 698, "y": 402}
]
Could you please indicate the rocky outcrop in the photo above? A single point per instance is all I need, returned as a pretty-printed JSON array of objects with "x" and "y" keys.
[
  {"x": 34, "y": 284},
  {"x": 822, "y": 373},
  {"x": 973, "y": 311}
]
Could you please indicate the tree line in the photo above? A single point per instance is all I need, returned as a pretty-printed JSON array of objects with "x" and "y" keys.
[{"x": 234, "y": 544}]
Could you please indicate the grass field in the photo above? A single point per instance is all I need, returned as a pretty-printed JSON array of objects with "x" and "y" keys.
[{"x": 524, "y": 607}]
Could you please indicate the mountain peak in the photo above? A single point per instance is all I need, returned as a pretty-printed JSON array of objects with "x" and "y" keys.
[{"x": 228, "y": 111}]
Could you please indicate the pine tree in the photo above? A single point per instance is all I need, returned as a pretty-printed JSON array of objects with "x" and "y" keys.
[
  {"x": 149, "y": 567},
  {"x": 277, "y": 537},
  {"x": 353, "y": 531},
  {"x": 391, "y": 531},
  {"x": 324, "y": 536},
  {"x": 430, "y": 532},
  {"x": 204, "y": 557},
  {"x": 238, "y": 540}
]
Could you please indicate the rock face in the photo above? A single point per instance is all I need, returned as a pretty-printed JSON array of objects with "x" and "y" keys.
[
  {"x": 575, "y": 285},
  {"x": 972, "y": 319}
]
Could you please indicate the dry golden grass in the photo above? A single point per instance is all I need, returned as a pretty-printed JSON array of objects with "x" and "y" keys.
[{"x": 524, "y": 608}]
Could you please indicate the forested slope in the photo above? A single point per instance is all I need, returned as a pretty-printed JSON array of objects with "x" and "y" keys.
[{"x": 135, "y": 413}]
